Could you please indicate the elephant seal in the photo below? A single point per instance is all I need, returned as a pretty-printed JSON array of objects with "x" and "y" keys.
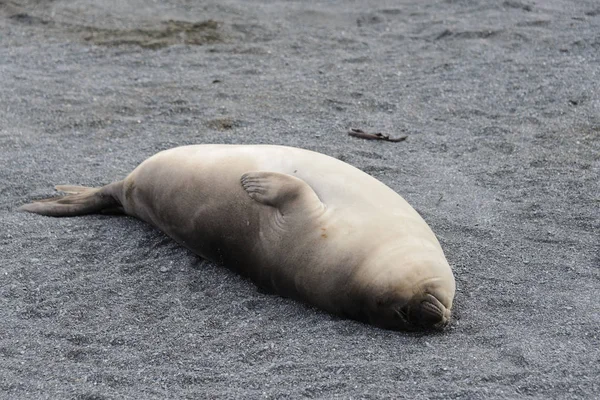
[{"x": 298, "y": 223}]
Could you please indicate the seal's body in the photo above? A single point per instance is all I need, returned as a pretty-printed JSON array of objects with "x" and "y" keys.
[{"x": 299, "y": 223}]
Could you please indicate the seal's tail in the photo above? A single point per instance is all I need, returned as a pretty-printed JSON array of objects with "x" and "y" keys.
[{"x": 79, "y": 200}]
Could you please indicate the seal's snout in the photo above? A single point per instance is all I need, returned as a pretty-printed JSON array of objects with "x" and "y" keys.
[{"x": 427, "y": 312}]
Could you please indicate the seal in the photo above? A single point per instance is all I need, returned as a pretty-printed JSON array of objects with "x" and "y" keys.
[{"x": 296, "y": 222}]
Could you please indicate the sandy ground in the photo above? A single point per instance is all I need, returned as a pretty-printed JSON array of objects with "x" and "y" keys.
[{"x": 501, "y": 105}]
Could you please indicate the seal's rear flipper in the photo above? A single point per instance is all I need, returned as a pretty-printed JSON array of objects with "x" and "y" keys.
[
  {"x": 71, "y": 189},
  {"x": 284, "y": 192},
  {"x": 80, "y": 200}
]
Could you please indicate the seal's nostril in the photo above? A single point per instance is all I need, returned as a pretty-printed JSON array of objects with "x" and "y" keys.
[{"x": 427, "y": 313}]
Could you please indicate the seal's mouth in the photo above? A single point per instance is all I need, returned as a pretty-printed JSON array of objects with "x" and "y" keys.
[{"x": 425, "y": 312}]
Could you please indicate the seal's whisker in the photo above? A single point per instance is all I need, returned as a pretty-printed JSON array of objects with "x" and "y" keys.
[{"x": 402, "y": 315}]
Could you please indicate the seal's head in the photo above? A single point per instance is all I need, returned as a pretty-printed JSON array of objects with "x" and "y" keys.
[
  {"x": 413, "y": 293},
  {"x": 428, "y": 308}
]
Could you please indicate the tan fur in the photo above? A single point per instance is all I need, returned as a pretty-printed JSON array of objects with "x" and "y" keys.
[{"x": 299, "y": 223}]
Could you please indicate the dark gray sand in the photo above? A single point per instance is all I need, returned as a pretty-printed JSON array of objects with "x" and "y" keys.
[{"x": 501, "y": 105}]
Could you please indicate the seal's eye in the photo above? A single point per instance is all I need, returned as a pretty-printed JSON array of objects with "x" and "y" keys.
[{"x": 384, "y": 302}]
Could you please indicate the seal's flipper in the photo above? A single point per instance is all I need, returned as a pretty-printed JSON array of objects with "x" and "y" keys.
[
  {"x": 72, "y": 189},
  {"x": 284, "y": 192},
  {"x": 81, "y": 200}
]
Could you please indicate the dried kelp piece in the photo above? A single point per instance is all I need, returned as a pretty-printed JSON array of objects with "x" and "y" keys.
[{"x": 359, "y": 133}]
